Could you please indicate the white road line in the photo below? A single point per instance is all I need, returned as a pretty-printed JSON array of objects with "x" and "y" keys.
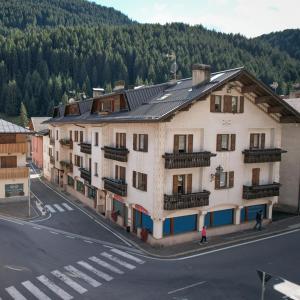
[
  {"x": 90, "y": 242},
  {"x": 35, "y": 291},
  {"x": 37, "y": 228},
  {"x": 58, "y": 207},
  {"x": 127, "y": 255},
  {"x": 186, "y": 287},
  {"x": 95, "y": 271},
  {"x": 118, "y": 261},
  {"x": 53, "y": 232},
  {"x": 68, "y": 281},
  {"x": 50, "y": 208},
  {"x": 67, "y": 206},
  {"x": 70, "y": 237},
  {"x": 14, "y": 293},
  {"x": 106, "y": 265},
  {"x": 54, "y": 288},
  {"x": 78, "y": 274}
]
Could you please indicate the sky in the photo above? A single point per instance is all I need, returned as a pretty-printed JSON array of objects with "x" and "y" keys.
[{"x": 248, "y": 17}]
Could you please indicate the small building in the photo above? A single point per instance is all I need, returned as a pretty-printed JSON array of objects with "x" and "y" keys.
[
  {"x": 14, "y": 174},
  {"x": 40, "y": 131},
  {"x": 289, "y": 199}
]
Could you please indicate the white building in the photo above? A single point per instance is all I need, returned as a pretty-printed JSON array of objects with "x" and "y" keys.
[{"x": 173, "y": 157}]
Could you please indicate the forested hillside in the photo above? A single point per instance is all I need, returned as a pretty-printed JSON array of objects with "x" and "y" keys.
[{"x": 40, "y": 64}]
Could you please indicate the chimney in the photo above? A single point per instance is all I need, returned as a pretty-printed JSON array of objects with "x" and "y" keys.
[
  {"x": 119, "y": 86},
  {"x": 201, "y": 74},
  {"x": 97, "y": 92}
]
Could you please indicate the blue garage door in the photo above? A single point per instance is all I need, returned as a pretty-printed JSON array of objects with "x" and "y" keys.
[
  {"x": 147, "y": 222},
  {"x": 118, "y": 207},
  {"x": 249, "y": 213},
  {"x": 207, "y": 220},
  {"x": 167, "y": 227},
  {"x": 185, "y": 224},
  {"x": 223, "y": 217}
]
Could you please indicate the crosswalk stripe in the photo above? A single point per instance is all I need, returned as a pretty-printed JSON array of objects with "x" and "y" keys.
[
  {"x": 58, "y": 207},
  {"x": 14, "y": 293},
  {"x": 95, "y": 271},
  {"x": 54, "y": 288},
  {"x": 104, "y": 264},
  {"x": 35, "y": 291},
  {"x": 68, "y": 281},
  {"x": 67, "y": 206},
  {"x": 83, "y": 276},
  {"x": 50, "y": 208},
  {"x": 127, "y": 255},
  {"x": 118, "y": 261}
]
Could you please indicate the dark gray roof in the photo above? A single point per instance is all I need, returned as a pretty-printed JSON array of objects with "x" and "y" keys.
[{"x": 7, "y": 127}]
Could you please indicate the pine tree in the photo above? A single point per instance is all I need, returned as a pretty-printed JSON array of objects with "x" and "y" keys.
[{"x": 23, "y": 115}]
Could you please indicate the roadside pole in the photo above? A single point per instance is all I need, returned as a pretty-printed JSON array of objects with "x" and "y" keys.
[
  {"x": 263, "y": 286},
  {"x": 29, "y": 191}
]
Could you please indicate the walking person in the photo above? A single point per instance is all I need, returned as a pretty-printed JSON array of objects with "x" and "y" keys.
[
  {"x": 258, "y": 219},
  {"x": 203, "y": 233}
]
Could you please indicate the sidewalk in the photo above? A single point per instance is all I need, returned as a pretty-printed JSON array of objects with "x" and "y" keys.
[{"x": 281, "y": 225}]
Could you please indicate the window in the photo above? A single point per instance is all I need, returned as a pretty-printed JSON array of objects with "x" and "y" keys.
[
  {"x": 57, "y": 155},
  {"x": 224, "y": 180},
  {"x": 78, "y": 161},
  {"x": 80, "y": 187},
  {"x": 227, "y": 104},
  {"x": 50, "y": 151},
  {"x": 139, "y": 181},
  {"x": 8, "y": 161},
  {"x": 120, "y": 140},
  {"x": 183, "y": 143},
  {"x": 140, "y": 142},
  {"x": 226, "y": 142},
  {"x": 120, "y": 173},
  {"x": 257, "y": 140},
  {"x": 81, "y": 136},
  {"x": 91, "y": 193},
  {"x": 218, "y": 103},
  {"x": 96, "y": 139},
  {"x": 182, "y": 184},
  {"x": 70, "y": 181},
  {"x": 234, "y": 104},
  {"x": 96, "y": 169},
  {"x": 12, "y": 190},
  {"x": 76, "y": 136},
  {"x": 255, "y": 176},
  {"x": 56, "y": 134},
  {"x": 70, "y": 135}
]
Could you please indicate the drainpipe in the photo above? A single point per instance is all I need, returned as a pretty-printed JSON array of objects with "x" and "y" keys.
[{"x": 298, "y": 212}]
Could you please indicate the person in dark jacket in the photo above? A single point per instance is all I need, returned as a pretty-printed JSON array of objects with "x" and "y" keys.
[{"x": 258, "y": 219}]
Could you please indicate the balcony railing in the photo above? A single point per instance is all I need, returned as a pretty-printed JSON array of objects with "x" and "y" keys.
[
  {"x": 187, "y": 160},
  {"x": 86, "y": 148},
  {"x": 14, "y": 173},
  {"x": 68, "y": 166},
  {"x": 261, "y": 191},
  {"x": 119, "y": 154},
  {"x": 67, "y": 143},
  {"x": 86, "y": 175},
  {"x": 262, "y": 155},
  {"x": 52, "y": 141},
  {"x": 13, "y": 148},
  {"x": 52, "y": 160},
  {"x": 115, "y": 186},
  {"x": 182, "y": 201}
]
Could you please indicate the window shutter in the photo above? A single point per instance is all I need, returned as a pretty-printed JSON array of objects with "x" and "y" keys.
[
  {"x": 117, "y": 140},
  {"x": 231, "y": 179},
  {"x": 145, "y": 182},
  {"x": 123, "y": 173},
  {"x": 145, "y": 142},
  {"x": 134, "y": 141},
  {"x": 255, "y": 176},
  {"x": 263, "y": 140},
  {"x": 190, "y": 143},
  {"x": 227, "y": 104},
  {"x": 251, "y": 140},
  {"x": 123, "y": 140},
  {"x": 176, "y": 143},
  {"x": 242, "y": 104},
  {"x": 232, "y": 142},
  {"x": 219, "y": 142},
  {"x": 175, "y": 184},
  {"x": 134, "y": 179},
  {"x": 70, "y": 135},
  {"x": 116, "y": 172},
  {"x": 217, "y": 181},
  {"x": 212, "y": 103},
  {"x": 189, "y": 183}
]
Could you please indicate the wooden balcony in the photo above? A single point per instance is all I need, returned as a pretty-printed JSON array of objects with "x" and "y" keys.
[
  {"x": 262, "y": 155},
  {"x": 14, "y": 173},
  {"x": 187, "y": 160},
  {"x": 182, "y": 201},
  {"x": 86, "y": 175},
  {"x": 66, "y": 143},
  {"x": 66, "y": 165},
  {"x": 52, "y": 160},
  {"x": 119, "y": 154},
  {"x": 86, "y": 148},
  {"x": 115, "y": 186},
  {"x": 52, "y": 141},
  {"x": 261, "y": 191},
  {"x": 13, "y": 148}
]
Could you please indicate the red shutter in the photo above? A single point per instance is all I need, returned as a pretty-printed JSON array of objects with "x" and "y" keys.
[
  {"x": 255, "y": 176},
  {"x": 232, "y": 142},
  {"x": 176, "y": 143},
  {"x": 263, "y": 140},
  {"x": 134, "y": 179},
  {"x": 212, "y": 103},
  {"x": 219, "y": 142},
  {"x": 231, "y": 179},
  {"x": 135, "y": 141},
  {"x": 190, "y": 143},
  {"x": 227, "y": 104},
  {"x": 145, "y": 142},
  {"x": 242, "y": 104},
  {"x": 175, "y": 184}
]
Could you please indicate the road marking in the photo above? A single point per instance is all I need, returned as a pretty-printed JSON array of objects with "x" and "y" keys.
[
  {"x": 50, "y": 208},
  {"x": 294, "y": 226},
  {"x": 58, "y": 207},
  {"x": 14, "y": 293},
  {"x": 118, "y": 261},
  {"x": 186, "y": 287},
  {"x": 68, "y": 281},
  {"x": 53, "y": 232},
  {"x": 35, "y": 291},
  {"x": 90, "y": 242},
  {"x": 54, "y": 288},
  {"x": 78, "y": 274},
  {"x": 70, "y": 237},
  {"x": 37, "y": 228},
  {"x": 127, "y": 255},
  {"x": 106, "y": 265},
  {"x": 67, "y": 206},
  {"x": 95, "y": 271}
]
